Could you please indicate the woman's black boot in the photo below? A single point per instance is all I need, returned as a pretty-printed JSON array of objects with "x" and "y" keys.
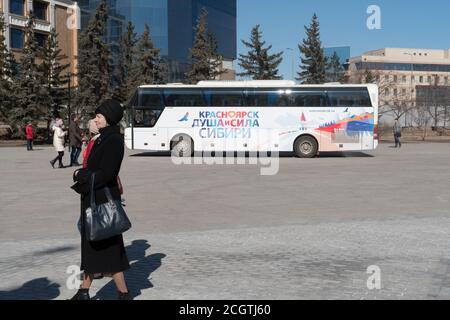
[
  {"x": 124, "y": 296},
  {"x": 82, "y": 294}
]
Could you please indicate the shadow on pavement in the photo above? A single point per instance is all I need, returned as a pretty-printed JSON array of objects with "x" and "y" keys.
[
  {"x": 37, "y": 289},
  {"x": 55, "y": 250},
  {"x": 138, "y": 276},
  {"x": 347, "y": 154}
]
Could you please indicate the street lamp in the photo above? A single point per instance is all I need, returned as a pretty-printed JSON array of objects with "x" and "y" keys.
[
  {"x": 292, "y": 62},
  {"x": 69, "y": 77},
  {"x": 412, "y": 82}
]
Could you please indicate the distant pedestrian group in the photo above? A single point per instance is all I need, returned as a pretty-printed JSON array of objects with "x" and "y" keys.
[{"x": 76, "y": 141}]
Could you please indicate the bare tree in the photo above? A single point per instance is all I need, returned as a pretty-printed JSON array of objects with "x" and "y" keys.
[
  {"x": 435, "y": 100},
  {"x": 422, "y": 119},
  {"x": 390, "y": 101}
]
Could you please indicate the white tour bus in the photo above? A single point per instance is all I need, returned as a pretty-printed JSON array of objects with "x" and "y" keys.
[{"x": 253, "y": 116}]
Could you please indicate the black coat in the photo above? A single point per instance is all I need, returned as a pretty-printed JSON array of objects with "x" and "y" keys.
[{"x": 105, "y": 159}]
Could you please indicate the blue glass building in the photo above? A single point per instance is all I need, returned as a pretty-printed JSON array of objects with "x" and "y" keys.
[
  {"x": 342, "y": 52},
  {"x": 171, "y": 24}
]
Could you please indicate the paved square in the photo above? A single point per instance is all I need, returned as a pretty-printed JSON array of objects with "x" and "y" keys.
[{"x": 226, "y": 232}]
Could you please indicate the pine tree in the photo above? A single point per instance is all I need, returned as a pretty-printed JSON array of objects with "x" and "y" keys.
[
  {"x": 313, "y": 60},
  {"x": 94, "y": 62},
  {"x": 206, "y": 61},
  {"x": 7, "y": 61},
  {"x": 32, "y": 98},
  {"x": 127, "y": 54},
  {"x": 258, "y": 63},
  {"x": 54, "y": 79},
  {"x": 335, "y": 70},
  {"x": 148, "y": 66},
  {"x": 216, "y": 59}
]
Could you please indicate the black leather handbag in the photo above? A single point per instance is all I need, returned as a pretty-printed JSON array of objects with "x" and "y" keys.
[{"x": 105, "y": 220}]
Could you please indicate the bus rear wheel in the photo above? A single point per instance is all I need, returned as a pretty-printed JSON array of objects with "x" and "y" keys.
[
  {"x": 306, "y": 147},
  {"x": 182, "y": 146}
]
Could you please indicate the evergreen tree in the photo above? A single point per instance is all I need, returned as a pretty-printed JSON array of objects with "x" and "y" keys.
[
  {"x": 206, "y": 62},
  {"x": 6, "y": 75},
  {"x": 147, "y": 67},
  {"x": 313, "y": 60},
  {"x": 335, "y": 70},
  {"x": 258, "y": 63},
  {"x": 32, "y": 97},
  {"x": 127, "y": 54},
  {"x": 94, "y": 62},
  {"x": 216, "y": 59},
  {"x": 54, "y": 79}
]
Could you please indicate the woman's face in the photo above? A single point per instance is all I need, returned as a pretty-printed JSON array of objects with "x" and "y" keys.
[{"x": 100, "y": 121}]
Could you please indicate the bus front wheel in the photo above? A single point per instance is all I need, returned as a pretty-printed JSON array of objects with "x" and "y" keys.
[
  {"x": 306, "y": 147},
  {"x": 182, "y": 146}
]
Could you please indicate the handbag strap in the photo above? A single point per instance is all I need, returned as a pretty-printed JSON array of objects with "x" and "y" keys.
[
  {"x": 105, "y": 189},
  {"x": 93, "y": 206},
  {"x": 108, "y": 194}
]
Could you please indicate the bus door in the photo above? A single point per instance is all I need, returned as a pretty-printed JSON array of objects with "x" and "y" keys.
[{"x": 145, "y": 118}]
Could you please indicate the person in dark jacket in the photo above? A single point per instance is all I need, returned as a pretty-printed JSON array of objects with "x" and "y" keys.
[
  {"x": 76, "y": 140},
  {"x": 106, "y": 256},
  {"x": 397, "y": 130}
]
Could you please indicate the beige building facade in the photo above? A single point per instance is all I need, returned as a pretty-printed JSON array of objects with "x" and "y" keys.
[
  {"x": 399, "y": 71},
  {"x": 58, "y": 14},
  {"x": 406, "y": 77}
]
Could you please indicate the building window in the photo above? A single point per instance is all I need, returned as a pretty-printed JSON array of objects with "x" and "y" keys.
[
  {"x": 17, "y": 7},
  {"x": 421, "y": 79},
  {"x": 41, "y": 39},
  {"x": 16, "y": 38},
  {"x": 446, "y": 81},
  {"x": 429, "y": 79},
  {"x": 386, "y": 78},
  {"x": 386, "y": 92},
  {"x": 404, "y": 92},
  {"x": 404, "y": 79},
  {"x": 395, "y": 79},
  {"x": 40, "y": 10},
  {"x": 395, "y": 92}
]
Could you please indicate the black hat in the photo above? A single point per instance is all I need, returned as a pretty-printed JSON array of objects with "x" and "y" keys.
[{"x": 112, "y": 111}]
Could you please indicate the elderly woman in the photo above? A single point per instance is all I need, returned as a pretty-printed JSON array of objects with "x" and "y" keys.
[{"x": 106, "y": 256}]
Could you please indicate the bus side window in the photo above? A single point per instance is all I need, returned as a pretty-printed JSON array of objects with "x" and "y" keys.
[
  {"x": 225, "y": 98},
  {"x": 184, "y": 98},
  {"x": 146, "y": 118},
  {"x": 308, "y": 99},
  {"x": 352, "y": 98}
]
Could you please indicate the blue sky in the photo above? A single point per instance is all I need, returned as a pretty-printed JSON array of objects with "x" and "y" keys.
[{"x": 405, "y": 23}]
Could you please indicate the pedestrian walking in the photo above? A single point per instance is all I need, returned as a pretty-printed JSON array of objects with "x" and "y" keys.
[
  {"x": 104, "y": 159},
  {"x": 75, "y": 140},
  {"x": 30, "y": 136},
  {"x": 58, "y": 142},
  {"x": 397, "y": 129}
]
